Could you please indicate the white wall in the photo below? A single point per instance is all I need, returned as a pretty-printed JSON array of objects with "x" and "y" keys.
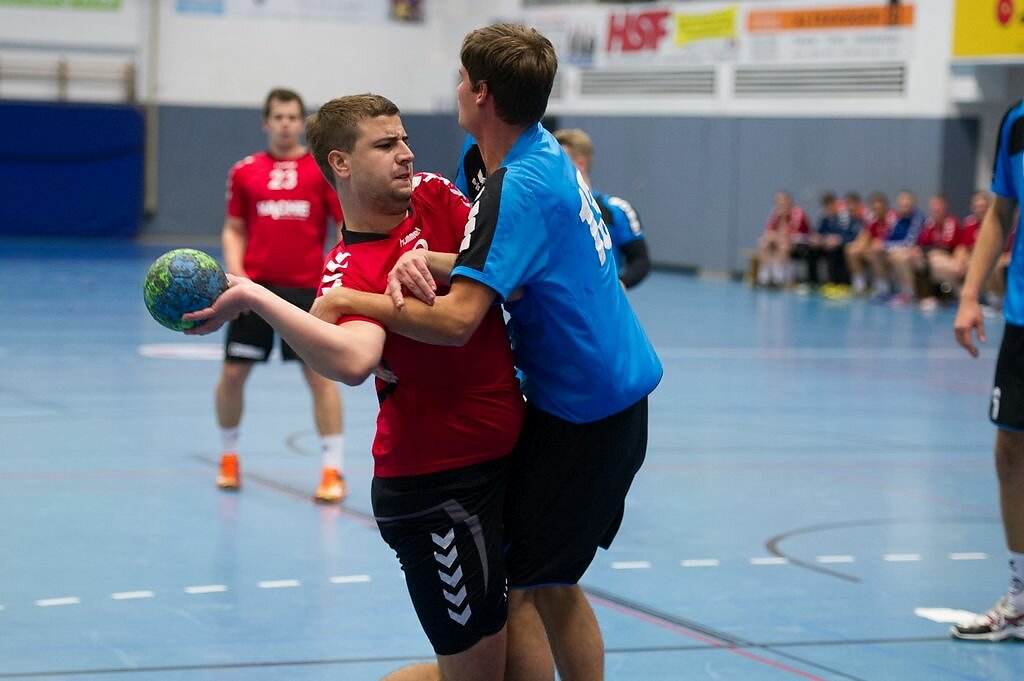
[{"x": 233, "y": 59}]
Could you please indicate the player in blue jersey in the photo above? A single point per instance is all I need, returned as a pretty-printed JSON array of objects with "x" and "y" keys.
[
  {"x": 623, "y": 223},
  {"x": 1006, "y": 618},
  {"x": 535, "y": 242}
]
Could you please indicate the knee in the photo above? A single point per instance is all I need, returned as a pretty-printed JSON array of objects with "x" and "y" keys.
[
  {"x": 234, "y": 374},
  {"x": 1009, "y": 463}
]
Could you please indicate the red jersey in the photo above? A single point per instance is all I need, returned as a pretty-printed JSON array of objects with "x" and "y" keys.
[
  {"x": 879, "y": 227},
  {"x": 798, "y": 225},
  {"x": 441, "y": 407},
  {"x": 969, "y": 231},
  {"x": 945, "y": 235},
  {"x": 285, "y": 204}
]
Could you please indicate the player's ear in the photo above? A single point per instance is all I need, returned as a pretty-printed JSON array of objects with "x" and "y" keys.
[
  {"x": 481, "y": 92},
  {"x": 340, "y": 163}
]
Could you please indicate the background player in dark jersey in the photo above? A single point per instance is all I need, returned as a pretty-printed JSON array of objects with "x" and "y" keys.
[
  {"x": 1006, "y": 618},
  {"x": 536, "y": 243},
  {"x": 621, "y": 218},
  {"x": 448, "y": 416},
  {"x": 275, "y": 233}
]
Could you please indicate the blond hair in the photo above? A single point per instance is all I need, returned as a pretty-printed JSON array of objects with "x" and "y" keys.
[{"x": 577, "y": 143}]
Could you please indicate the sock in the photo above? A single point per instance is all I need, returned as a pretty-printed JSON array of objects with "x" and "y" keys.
[
  {"x": 334, "y": 450},
  {"x": 1017, "y": 580},
  {"x": 882, "y": 287},
  {"x": 229, "y": 440},
  {"x": 859, "y": 282},
  {"x": 778, "y": 273}
]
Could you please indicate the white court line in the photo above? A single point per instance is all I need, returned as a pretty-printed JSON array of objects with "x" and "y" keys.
[
  {"x": 206, "y": 589},
  {"x": 700, "y": 562},
  {"x": 279, "y": 584},
  {"x": 769, "y": 560},
  {"x": 968, "y": 556},
  {"x": 49, "y": 602},
  {"x": 131, "y": 595},
  {"x": 631, "y": 565},
  {"x": 945, "y": 615},
  {"x": 349, "y": 579},
  {"x": 901, "y": 557},
  {"x": 836, "y": 559}
]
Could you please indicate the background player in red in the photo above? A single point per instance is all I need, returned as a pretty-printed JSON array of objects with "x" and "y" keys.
[
  {"x": 274, "y": 233},
  {"x": 449, "y": 416},
  {"x": 786, "y": 230}
]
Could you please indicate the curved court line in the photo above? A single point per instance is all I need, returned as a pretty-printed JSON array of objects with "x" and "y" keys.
[{"x": 772, "y": 545}]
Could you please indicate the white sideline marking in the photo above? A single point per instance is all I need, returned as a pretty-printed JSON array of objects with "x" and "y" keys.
[
  {"x": 700, "y": 562},
  {"x": 631, "y": 565},
  {"x": 968, "y": 556},
  {"x": 835, "y": 559},
  {"x": 349, "y": 579},
  {"x": 279, "y": 584},
  {"x": 769, "y": 560},
  {"x": 206, "y": 589},
  {"x": 901, "y": 557},
  {"x": 48, "y": 602},
  {"x": 130, "y": 595},
  {"x": 945, "y": 615},
  {"x": 200, "y": 351}
]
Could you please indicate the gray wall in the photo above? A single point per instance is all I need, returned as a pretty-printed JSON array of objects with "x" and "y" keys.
[
  {"x": 197, "y": 147},
  {"x": 703, "y": 186}
]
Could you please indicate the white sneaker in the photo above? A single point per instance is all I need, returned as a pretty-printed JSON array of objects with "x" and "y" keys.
[{"x": 1002, "y": 622}]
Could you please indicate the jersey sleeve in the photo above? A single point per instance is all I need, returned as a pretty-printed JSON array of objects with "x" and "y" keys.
[
  {"x": 1012, "y": 127},
  {"x": 471, "y": 173},
  {"x": 502, "y": 247},
  {"x": 450, "y": 208},
  {"x": 626, "y": 226},
  {"x": 235, "y": 194},
  {"x": 342, "y": 269}
]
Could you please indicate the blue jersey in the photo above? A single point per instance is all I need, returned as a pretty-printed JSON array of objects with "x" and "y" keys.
[
  {"x": 535, "y": 227},
  {"x": 1008, "y": 182},
  {"x": 622, "y": 221}
]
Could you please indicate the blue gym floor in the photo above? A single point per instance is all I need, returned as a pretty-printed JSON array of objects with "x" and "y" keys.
[{"x": 819, "y": 473}]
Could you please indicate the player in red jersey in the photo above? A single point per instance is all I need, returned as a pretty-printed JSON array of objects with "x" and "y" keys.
[
  {"x": 931, "y": 257},
  {"x": 867, "y": 247},
  {"x": 278, "y": 205},
  {"x": 449, "y": 416}
]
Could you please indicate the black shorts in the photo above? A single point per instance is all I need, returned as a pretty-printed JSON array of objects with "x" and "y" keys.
[
  {"x": 1006, "y": 408},
  {"x": 445, "y": 528},
  {"x": 250, "y": 339},
  {"x": 567, "y": 491}
]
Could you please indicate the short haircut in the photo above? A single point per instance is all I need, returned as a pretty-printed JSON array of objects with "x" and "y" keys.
[
  {"x": 878, "y": 196},
  {"x": 852, "y": 197},
  {"x": 828, "y": 198},
  {"x": 517, "y": 63},
  {"x": 336, "y": 125},
  {"x": 577, "y": 142},
  {"x": 282, "y": 95}
]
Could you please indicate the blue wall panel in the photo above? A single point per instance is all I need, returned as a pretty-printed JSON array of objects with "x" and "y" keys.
[{"x": 70, "y": 170}]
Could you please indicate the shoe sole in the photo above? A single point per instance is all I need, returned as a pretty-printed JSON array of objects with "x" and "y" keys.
[
  {"x": 229, "y": 486},
  {"x": 1014, "y": 633}
]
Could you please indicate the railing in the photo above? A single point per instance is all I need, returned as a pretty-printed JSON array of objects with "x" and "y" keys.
[{"x": 64, "y": 73}]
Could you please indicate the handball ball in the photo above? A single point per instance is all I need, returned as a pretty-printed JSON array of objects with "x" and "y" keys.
[{"x": 180, "y": 281}]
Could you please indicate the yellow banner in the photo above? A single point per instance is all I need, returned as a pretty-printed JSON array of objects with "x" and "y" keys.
[
  {"x": 693, "y": 27},
  {"x": 989, "y": 28}
]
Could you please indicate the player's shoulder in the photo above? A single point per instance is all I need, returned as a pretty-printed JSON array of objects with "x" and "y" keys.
[
  {"x": 250, "y": 161},
  {"x": 434, "y": 187}
]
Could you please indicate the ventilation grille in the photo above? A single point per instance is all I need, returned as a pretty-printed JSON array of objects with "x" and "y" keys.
[
  {"x": 827, "y": 81},
  {"x": 699, "y": 82}
]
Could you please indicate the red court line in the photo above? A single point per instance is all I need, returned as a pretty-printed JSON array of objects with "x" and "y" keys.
[{"x": 703, "y": 639}]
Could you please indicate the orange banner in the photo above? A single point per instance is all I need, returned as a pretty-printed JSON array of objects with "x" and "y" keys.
[{"x": 771, "y": 21}]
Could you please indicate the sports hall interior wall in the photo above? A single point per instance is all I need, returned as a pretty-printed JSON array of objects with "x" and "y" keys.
[{"x": 703, "y": 186}]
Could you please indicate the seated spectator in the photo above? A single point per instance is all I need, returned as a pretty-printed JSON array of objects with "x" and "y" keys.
[
  {"x": 837, "y": 227},
  {"x": 787, "y": 228},
  {"x": 931, "y": 258},
  {"x": 902, "y": 235},
  {"x": 623, "y": 223},
  {"x": 877, "y": 224}
]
